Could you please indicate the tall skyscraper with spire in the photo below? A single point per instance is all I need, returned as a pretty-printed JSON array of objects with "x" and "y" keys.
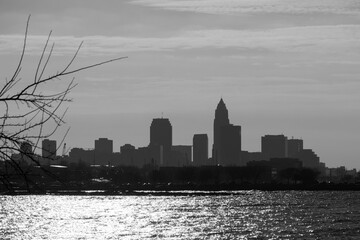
[
  {"x": 227, "y": 138},
  {"x": 221, "y": 120}
]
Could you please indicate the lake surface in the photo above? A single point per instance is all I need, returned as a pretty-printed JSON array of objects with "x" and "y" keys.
[{"x": 243, "y": 215}]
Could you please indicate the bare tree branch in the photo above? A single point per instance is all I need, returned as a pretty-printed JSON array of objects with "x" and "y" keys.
[{"x": 27, "y": 111}]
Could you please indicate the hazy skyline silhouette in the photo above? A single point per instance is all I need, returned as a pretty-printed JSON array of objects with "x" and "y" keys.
[
  {"x": 161, "y": 152},
  {"x": 283, "y": 67},
  {"x": 280, "y": 160}
]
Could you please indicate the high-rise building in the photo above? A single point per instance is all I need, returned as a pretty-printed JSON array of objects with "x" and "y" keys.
[
  {"x": 104, "y": 145},
  {"x": 221, "y": 120},
  {"x": 48, "y": 149},
  {"x": 127, "y": 153},
  {"x": 227, "y": 138},
  {"x": 230, "y": 145},
  {"x": 200, "y": 150},
  {"x": 161, "y": 135},
  {"x": 103, "y": 151},
  {"x": 295, "y": 146},
  {"x": 274, "y": 146}
]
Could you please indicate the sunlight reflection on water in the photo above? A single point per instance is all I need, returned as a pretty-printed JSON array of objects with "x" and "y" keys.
[{"x": 253, "y": 214}]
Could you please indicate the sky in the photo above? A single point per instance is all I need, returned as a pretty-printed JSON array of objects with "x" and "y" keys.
[{"x": 281, "y": 66}]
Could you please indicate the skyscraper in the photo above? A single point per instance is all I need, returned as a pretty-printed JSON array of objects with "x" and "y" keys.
[
  {"x": 104, "y": 146},
  {"x": 161, "y": 137},
  {"x": 200, "y": 149},
  {"x": 221, "y": 120},
  {"x": 227, "y": 138},
  {"x": 127, "y": 153},
  {"x": 230, "y": 145},
  {"x": 274, "y": 146},
  {"x": 103, "y": 151}
]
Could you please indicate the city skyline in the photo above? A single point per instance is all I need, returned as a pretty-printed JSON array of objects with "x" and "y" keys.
[
  {"x": 279, "y": 158},
  {"x": 226, "y": 148},
  {"x": 283, "y": 67},
  {"x": 161, "y": 135}
]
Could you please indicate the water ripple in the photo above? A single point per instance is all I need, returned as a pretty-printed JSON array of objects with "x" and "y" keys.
[{"x": 254, "y": 215}]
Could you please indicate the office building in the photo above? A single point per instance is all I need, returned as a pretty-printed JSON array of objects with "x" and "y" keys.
[
  {"x": 274, "y": 146},
  {"x": 227, "y": 138},
  {"x": 295, "y": 146},
  {"x": 221, "y": 120},
  {"x": 200, "y": 150},
  {"x": 103, "y": 151},
  {"x": 161, "y": 135},
  {"x": 230, "y": 145},
  {"x": 104, "y": 145},
  {"x": 127, "y": 153}
]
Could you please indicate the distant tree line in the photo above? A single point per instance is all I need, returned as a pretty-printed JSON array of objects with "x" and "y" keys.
[{"x": 84, "y": 177}]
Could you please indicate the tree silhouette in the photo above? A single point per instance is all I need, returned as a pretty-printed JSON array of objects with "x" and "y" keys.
[
  {"x": 308, "y": 176},
  {"x": 30, "y": 113},
  {"x": 289, "y": 174}
]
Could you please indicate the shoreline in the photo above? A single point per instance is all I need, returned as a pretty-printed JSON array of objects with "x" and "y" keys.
[{"x": 182, "y": 189}]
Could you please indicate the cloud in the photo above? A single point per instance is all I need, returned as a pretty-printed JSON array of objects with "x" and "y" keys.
[
  {"x": 255, "y": 6},
  {"x": 321, "y": 39}
]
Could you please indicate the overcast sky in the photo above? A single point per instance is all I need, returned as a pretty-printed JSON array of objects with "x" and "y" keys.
[{"x": 282, "y": 67}]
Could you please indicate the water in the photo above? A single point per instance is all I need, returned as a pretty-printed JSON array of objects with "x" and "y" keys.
[{"x": 244, "y": 215}]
